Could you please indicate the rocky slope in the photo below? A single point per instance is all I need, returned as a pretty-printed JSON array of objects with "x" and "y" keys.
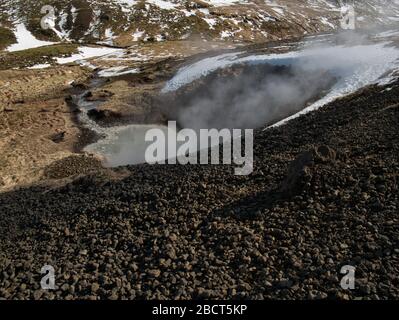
[
  {"x": 201, "y": 232},
  {"x": 124, "y": 22},
  {"x": 324, "y": 192}
]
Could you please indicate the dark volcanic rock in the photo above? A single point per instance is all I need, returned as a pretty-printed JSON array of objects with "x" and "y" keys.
[
  {"x": 100, "y": 95},
  {"x": 58, "y": 137},
  {"x": 72, "y": 165},
  {"x": 299, "y": 173},
  {"x": 300, "y": 170},
  {"x": 180, "y": 232},
  {"x": 99, "y": 115}
]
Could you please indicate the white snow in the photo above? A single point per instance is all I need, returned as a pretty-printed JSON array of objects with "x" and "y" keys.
[
  {"x": 116, "y": 71},
  {"x": 166, "y": 5},
  {"x": 128, "y": 3},
  {"x": 26, "y": 40},
  {"x": 356, "y": 67},
  {"x": 40, "y": 66},
  {"x": 278, "y": 10},
  {"x": 108, "y": 37},
  {"x": 222, "y": 3},
  {"x": 137, "y": 35},
  {"x": 203, "y": 67},
  {"x": 87, "y": 53},
  {"x": 226, "y": 34},
  {"x": 325, "y": 21},
  {"x": 389, "y": 33},
  {"x": 211, "y": 22}
]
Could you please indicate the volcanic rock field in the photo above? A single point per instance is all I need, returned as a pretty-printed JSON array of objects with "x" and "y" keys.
[{"x": 324, "y": 194}]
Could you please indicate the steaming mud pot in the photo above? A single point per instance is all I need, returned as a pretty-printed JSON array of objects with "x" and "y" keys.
[
  {"x": 246, "y": 96},
  {"x": 242, "y": 89},
  {"x": 353, "y": 67},
  {"x": 120, "y": 145},
  {"x": 128, "y": 145},
  {"x": 124, "y": 146}
]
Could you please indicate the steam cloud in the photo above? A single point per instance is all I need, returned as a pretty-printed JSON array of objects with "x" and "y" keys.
[
  {"x": 248, "y": 96},
  {"x": 265, "y": 90}
]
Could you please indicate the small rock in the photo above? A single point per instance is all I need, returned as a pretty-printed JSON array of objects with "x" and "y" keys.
[
  {"x": 95, "y": 287},
  {"x": 154, "y": 273}
]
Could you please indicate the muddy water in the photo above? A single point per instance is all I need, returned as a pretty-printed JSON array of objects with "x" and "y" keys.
[
  {"x": 125, "y": 145},
  {"x": 128, "y": 145},
  {"x": 119, "y": 146}
]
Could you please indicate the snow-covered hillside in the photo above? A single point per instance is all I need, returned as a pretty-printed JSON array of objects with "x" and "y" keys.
[{"x": 123, "y": 22}]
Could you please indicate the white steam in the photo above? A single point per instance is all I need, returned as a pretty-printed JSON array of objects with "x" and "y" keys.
[{"x": 354, "y": 61}]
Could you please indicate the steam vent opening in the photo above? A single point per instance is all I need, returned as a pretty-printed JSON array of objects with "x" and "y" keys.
[{"x": 245, "y": 96}]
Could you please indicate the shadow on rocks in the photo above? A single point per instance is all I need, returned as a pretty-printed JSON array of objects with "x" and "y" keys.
[
  {"x": 297, "y": 181},
  {"x": 300, "y": 171}
]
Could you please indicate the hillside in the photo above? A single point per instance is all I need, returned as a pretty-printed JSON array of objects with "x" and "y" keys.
[
  {"x": 124, "y": 22},
  {"x": 319, "y": 106},
  {"x": 199, "y": 232}
]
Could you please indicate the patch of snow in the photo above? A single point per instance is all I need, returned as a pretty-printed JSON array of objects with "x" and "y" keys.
[
  {"x": 208, "y": 65},
  {"x": 224, "y": 3},
  {"x": 87, "y": 64},
  {"x": 129, "y": 3},
  {"x": 278, "y": 10},
  {"x": 166, "y": 5},
  {"x": 26, "y": 40},
  {"x": 138, "y": 35},
  {"x": 109, "y": 37},
  {"x": 87, "y": 53},
  {"x": 116, "y": 71},
  {"x": 62, "y": 24},
  {"x": 124, "y": 56},
  {"x": 211, "y": 22},
  {"x": 94, "y": 24},
  {"x": 226, "y": 34},
  {"x": 355, "y": 67},
  {"x": 159, "y": 38},
  {"x": 325, "y": 21},
  {"x": 386, "y": 34},
  {"x": 188, "y": 13},
  {"x": 40, "y": 66}
]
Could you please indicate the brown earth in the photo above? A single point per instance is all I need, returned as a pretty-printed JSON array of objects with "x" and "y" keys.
[
  {"x": 36, "y": 125},
  {"x": 39, "y": 129}
]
